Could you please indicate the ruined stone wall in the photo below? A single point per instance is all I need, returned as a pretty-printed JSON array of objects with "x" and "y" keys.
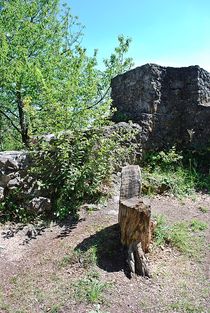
[
  {"x": 172, "y": 105},
  {"x": 15, "y": 177}
]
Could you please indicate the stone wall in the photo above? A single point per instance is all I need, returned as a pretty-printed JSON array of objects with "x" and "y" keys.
[
  {"x": 172, "y": 105},
  {"x": 15, "y": 177}
]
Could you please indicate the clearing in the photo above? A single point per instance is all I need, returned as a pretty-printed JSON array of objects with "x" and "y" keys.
[{"x": 63, "y": 268}]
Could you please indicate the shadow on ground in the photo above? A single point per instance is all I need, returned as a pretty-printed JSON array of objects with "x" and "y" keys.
[
  {"x": 109, "y": 251},
  {"x": 67, "y": 226}
]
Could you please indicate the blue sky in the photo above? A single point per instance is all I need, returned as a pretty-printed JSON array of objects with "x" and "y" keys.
[{"x": 166, "y": 32}]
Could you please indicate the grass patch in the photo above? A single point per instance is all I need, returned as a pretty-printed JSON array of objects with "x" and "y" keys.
[
  {"x": 197, "y": 225},
  {"x": 187, "y": 237},
  {"x": 186, "y": 306},
  {"x": 86, "y": 259},
  {"x": 55, "y": 309},
  {"x": 159, "y": 181},
  {"x": 90, "y": 289}
]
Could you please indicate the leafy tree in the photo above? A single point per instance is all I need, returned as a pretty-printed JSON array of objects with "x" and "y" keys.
[{"x": 48, "y": 83}]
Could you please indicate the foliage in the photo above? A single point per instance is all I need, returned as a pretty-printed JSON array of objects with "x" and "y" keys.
[
  {"x": 174, "y": 172},
  {"x": 75, "y": 167},
  {"x": 48, "y": 82},
  {"x": 11, "y": 208},
  {"x": 182, "y": 235},
  {"x": 164, "y": 159},
  {"x": 49, "y": 85}
]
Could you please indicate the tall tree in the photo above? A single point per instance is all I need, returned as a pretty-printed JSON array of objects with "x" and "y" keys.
[{"x": 48, "y": 83}]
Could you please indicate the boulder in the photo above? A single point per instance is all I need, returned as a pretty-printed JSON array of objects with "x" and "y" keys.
[{"x": 40, "y": 205}]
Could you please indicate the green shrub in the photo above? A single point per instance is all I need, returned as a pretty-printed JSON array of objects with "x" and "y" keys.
[
  {"x": 12, "y": 207},
  {"x": 177, "y": 173},
  {"x": 75, "y": 167}
]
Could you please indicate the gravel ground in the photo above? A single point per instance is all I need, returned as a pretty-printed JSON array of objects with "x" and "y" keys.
[{"x": 38, "y": 274}]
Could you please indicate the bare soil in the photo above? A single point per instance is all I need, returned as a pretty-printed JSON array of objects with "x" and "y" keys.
[{"x": 39, "y": 272}]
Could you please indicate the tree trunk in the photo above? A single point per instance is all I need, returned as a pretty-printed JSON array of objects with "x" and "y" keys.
[
  {"x": 134, "y": 219},
  {"x": 22, "y": 118}
]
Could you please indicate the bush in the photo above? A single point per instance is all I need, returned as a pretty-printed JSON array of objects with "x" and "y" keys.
[
  {"x": 175, "y": 172},
  {"x": 75, "y": 167}
]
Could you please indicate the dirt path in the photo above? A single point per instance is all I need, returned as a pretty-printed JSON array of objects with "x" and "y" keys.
[{"x": 45, "y": 274}]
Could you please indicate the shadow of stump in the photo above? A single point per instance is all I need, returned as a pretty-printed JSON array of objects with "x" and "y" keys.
[{"x": 110, "y": 253}]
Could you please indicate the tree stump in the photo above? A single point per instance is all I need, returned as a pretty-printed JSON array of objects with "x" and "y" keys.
[{"x": 134, "y": 220}]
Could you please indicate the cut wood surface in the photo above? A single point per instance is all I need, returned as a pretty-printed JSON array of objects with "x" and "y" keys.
[{"x": 134, "y": 220}]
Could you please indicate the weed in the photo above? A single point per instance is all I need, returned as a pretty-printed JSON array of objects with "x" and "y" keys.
[
  {"x": 13, "y": 280},
  {"x": 65, "y": 261},
  {"x": 203, "y": 209},
  {"x": 160, "y": 181},
  {"x": 90, "y": 288},
  {"x": 197, "y": 225},
  {"x": 89, "y": 257}
]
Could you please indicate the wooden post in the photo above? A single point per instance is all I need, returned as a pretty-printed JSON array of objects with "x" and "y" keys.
[{"x": 134, "y": 220}]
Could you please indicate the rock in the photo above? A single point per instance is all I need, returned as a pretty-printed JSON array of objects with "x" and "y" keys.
[
  {"x": 14, "y": 183},
  {"x": 12, "y": 164},
  {"x": 90, "y": 207},
  {"x": 1, "y": 194},
  {"x": 40, "y": 205},
  {"x": 4, "y": 179},
  {"x": 172, "y": 105}
]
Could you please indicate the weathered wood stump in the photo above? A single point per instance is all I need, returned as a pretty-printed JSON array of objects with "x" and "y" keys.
[{"x": 134, "y": 220}]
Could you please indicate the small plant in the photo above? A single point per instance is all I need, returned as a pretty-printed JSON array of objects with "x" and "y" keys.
[
  {"x": 164, "y": 159},
  {"x": 65, "y": 261},
  {"x": 90, "y": 289},
  {"x": 203, "y": 209},
  {"x": 197, "y": 225}
]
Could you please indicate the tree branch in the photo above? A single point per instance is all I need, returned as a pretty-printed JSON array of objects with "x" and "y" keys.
[
  {"x": 9, "y": 119},
  {"x": 9, "y": 111},
  {"x": 97, "y": 102}
]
